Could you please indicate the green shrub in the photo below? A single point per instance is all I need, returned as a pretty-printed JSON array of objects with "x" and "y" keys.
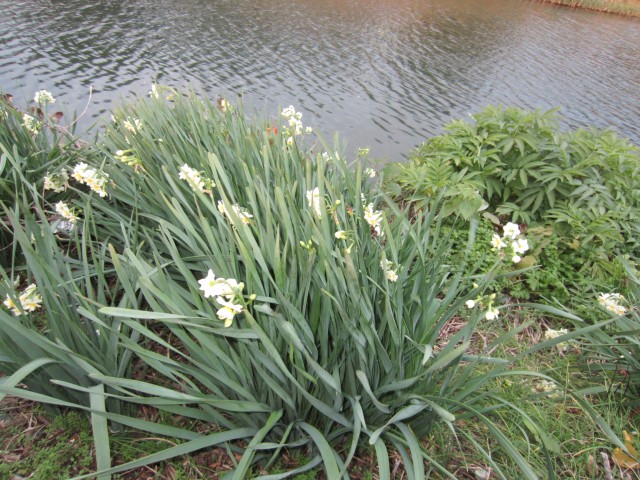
[{"x": 579, "y": 190}]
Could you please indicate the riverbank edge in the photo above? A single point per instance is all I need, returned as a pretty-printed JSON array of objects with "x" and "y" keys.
[{"x": 615, "y": 7}]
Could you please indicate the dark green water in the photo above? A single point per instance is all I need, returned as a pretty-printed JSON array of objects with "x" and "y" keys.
[{"x": 383, "y": 73}]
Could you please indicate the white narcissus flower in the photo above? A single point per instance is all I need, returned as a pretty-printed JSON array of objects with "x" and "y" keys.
[
  {"x": 511, "y": 230},
  {"x": 219, "y": 287},
  {"x": 389, "y": 273},
  {"x": 340, "y": 235},
  {"x": 192, "y": 177},
  {"x": 225, "y": 291},
  {"x": 314, "y": 200},
  {"x": 89, "y": 176},
  {"x": 497, "y": 242},
  {"x": 30, "y": 123},
  {"x": 43, "y": 97},
  {"x": 132, "y": 124},
  {"x": 520, "y": 245},
  {"x": 370, "y": 172},
  {"x": 65, "y": 211},
  {"x": 228, "y": 311},
  {"x": 288, "y": 112},
  {"x": 470, "y": 303},
  {"x": 516, "y": 259},
  {"x": 57, "y": 182},
  {"x": 551, "y": 333},
  {"x": 492, "y": 314},
  {"x": 29, "y": 299},
  {"x": 373, "y": 218},
  {"x": 386, "y": 264},
  {"x": 611, "y": 301},
  {"x": 241, "y": 212},
  {"x": 79, "y": 171},
  {"x": 153, "y": 93}
]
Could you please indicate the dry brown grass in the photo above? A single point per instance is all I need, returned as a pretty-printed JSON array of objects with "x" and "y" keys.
[{"x": 629, "y": 8}]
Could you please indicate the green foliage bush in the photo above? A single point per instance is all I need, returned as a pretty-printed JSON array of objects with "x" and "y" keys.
[{"x": 578, "y": 192}]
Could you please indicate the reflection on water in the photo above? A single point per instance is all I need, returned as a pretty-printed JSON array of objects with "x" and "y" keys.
[{"x": 383, "y": 73}]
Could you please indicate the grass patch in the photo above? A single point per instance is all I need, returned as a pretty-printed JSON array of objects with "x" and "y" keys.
[{"x": 621, "y": 7}]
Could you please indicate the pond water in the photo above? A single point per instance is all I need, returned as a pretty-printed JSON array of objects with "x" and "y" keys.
[{"x": 386, "y": 74}]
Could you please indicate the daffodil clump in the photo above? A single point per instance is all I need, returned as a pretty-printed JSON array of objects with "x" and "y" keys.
[
  {"x": 227, "y": 292},
  {"x": 612, "y": 302},
  {"x": 56, "y": 182},
  {"x": 91, "y": 177},
  {"x": 511, "y": 244},
  {"x": 28, "y": 301}
]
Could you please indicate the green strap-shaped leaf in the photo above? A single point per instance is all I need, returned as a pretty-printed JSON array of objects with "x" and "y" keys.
[
  {"x": 365, "y": 383},
  {"x": 178, "y": 450},
  {"x": 406, "y": 412},
  {"x": 250, "y": 452},
  {"x": 100, "y": 430},
  {"x": 328, "y": 454},
  {"x": 23, "y": 372}
]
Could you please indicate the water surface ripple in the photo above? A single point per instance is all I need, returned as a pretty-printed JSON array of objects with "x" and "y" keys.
[{"x": 383, "y": 73}]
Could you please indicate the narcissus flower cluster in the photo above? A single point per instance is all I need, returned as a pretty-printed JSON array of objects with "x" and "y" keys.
[
  {"x": 241, "y": 212},
  {"x": 511, "y": 244},
  {"x": 57, "y": 182},
  {"x": 96, "y": 180},
  {"x": 29, "y": 300},
  {"x": 294, "y": 124},
  {"x": 227, "y": 292},
  {"x": 612, "y": 302}
]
